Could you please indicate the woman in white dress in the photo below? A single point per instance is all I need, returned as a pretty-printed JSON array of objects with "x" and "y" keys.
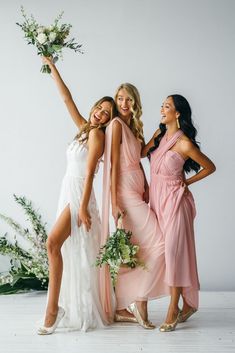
[{"x": 73, "y": 243}]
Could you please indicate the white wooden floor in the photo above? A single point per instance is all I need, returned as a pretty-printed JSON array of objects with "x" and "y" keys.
[{"x": 212, "y": 329}]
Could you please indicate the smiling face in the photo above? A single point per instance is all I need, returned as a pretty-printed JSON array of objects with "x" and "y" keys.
[
  {"x": 168, "y": 112},
  {"x": 124, "y": 103},
  {"x": 101, "y": 113}
]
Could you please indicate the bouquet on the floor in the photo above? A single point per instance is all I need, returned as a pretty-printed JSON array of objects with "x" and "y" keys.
[
  {"x": 49, "y": 41},
  {"x": 119, "y": 251},
  {"x": 29, "y": 264}
]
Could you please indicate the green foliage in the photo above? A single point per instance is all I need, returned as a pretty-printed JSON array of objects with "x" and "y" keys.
[
  {"x": 117, "y": 252},
  {"x": 29, "y": 268},
  {"x": 49, "y": 41}
]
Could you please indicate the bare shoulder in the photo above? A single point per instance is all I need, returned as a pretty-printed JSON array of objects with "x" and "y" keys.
[
  {"x": 96, "y": 135},
  {"x": 157, "y": 132},
  {"x": 116, "y": 125},
  {"x": 185, "y": 144},
  {"x": 117, "y": 128}
]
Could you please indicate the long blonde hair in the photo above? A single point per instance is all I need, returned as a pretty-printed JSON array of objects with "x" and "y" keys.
[
  {"x": 83, "y": 134},
  {"x": 136, "y": 125}
]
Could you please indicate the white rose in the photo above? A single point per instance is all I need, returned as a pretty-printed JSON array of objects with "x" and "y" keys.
[
  {"x": 8, "y": 280},
  {"x": 42, "y": 38},
  {"x": 3, "y": 280},
  {"x": 40, "y": 29},
  {"x": 51, "y": 28},
  {"x": 52, "y": 36}
]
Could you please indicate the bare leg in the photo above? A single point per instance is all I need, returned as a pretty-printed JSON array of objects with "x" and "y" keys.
[
  {"x": 173, "y": 307},
  {"x": 186, "y": 307},
  {"x": 142, "y": 308},
  {"x": 56, "y": 238}
]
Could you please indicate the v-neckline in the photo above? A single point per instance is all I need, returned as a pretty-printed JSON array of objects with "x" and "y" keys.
[{"x": 128, "y": 127}]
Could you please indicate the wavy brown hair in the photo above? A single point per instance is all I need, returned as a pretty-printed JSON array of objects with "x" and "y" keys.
[{"x": 83, "y": 134}]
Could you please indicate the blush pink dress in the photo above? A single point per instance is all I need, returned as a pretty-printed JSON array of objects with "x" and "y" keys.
[
  {"x": 132, "y": 284},
  {"x": 175, "y": 212}
]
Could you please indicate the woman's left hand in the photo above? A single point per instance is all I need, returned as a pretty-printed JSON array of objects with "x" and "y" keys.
[
  {"x": 85, "y": 218},
  {"x": 146, "y": 194}
]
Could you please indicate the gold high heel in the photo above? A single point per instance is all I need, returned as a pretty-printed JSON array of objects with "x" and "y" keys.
[
  {"x": 122, "y": 318},
  {"x": 144, "y": 323},
  {"x": 170, "y": 327},
  {"x": 185, "y": 317}
]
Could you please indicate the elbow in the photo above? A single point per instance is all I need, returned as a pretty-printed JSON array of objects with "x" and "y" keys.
[
  {"x": 90, "y": 175},
  {"x": 213, "y": 169},
  {"x": 143, "y": 153}
]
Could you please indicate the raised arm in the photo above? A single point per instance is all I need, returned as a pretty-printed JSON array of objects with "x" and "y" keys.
[
  {"x": 150, "y": 144},
  {"x": 65, "y": 94},
  {"x": 95, "y": 151}
]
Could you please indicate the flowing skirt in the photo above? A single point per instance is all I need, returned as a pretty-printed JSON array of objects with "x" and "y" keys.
[
  {"x": 140, "y": 284},
  {"x": 176, "y": 212},
  {"x": 79, "y": 294}
]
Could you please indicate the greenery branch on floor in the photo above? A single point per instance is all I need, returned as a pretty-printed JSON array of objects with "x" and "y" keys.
[{"x": 29, "y": 268}]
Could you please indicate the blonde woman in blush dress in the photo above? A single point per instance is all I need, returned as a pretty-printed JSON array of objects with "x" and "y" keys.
[
  {"x": 173, "y": 151},
  {"x": 129, "y": 197},
  {"x": 73, "y": 242}
]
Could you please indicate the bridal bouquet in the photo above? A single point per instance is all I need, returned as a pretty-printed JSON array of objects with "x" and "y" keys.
[
  {"x": 49, "y": 41},
  {"x": 119, "y": 251},
  {"x": 29, "y": 264}
]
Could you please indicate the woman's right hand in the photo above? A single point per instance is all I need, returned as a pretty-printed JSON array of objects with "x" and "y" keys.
[
  {"x": 116, "y": 212},
  {"x": 48, "y": 60},
  {"x": 84, "y": 217}
]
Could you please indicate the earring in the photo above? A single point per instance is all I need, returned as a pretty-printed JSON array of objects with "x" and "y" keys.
[{"x": 178, "y": 123}]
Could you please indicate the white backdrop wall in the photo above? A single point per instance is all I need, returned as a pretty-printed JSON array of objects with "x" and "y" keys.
[{"x": 162, "y": 47}]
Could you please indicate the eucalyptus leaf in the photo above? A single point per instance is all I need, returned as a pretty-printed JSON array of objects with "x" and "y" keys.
[
  {"x": 118, "y": 251},
  {"x": 35, "y": 34}
]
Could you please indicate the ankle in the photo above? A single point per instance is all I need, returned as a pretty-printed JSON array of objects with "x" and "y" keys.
[
  {"x": 174, "y": 309},
  {"x": 142, "y": 308},
  {"x": 52, "y": 311}
]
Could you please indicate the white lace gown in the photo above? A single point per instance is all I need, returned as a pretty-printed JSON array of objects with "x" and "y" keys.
[{"x": 79, "y": 294}]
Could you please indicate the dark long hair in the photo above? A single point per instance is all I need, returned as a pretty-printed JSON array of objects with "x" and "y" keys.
[{"x": 186, "y": 125}]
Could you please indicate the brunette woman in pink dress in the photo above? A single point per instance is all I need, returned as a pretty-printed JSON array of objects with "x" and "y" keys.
[
  {"x": 173, "y": 151},
  {"x": 129, "y": 196}
]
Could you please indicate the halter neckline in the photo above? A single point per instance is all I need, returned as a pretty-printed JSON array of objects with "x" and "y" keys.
[{"x": 178, "y": 132}]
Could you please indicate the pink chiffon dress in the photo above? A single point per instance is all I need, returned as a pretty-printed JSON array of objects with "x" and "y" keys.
[
  {"x": 132, "y": 284},
  {"x": 175, "y": 212}
]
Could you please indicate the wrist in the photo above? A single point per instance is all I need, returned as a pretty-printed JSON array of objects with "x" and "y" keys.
[
  {"x": 114, "y": 203},
  {"x": 83, "y": 207},
  {"x": 52, "y": 66}
]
